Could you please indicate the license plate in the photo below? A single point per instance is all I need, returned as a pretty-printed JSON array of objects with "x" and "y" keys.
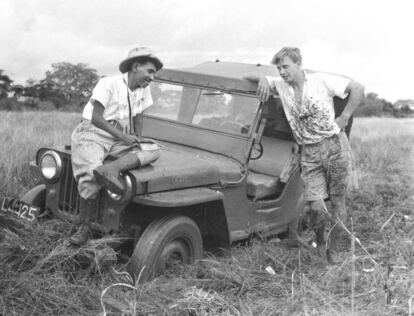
[{"x": 20, "y": 209}]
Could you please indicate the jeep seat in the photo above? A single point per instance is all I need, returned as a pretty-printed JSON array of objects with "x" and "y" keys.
[{"x": 264, "y": 172}]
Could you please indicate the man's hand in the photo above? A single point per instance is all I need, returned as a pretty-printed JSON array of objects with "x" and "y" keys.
[
  {"x": 356, "y": 95},
  {"x": 131, "y": 139},
  {"x": 342, "y": 121},
  {"x": 263, "y": 89}
]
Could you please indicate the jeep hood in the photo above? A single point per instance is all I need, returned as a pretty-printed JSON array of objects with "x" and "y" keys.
[{"x": 182, "y": 167}]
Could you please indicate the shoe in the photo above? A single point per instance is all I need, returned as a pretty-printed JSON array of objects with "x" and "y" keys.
[
  {"x": 81, "y": 236},
  {"x": 87, "y": 214},
  {"x": 109, "y": 173}
]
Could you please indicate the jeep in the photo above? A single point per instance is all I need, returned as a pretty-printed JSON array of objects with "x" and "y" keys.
[{"x": 216, "y": 182}]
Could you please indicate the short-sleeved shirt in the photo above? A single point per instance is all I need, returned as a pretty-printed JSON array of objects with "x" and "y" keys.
[
  {"x": 112, "y": 92},
  {"x": 314, "y": 119}
]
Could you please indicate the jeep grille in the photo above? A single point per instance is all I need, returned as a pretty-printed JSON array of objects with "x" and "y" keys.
[{"x": 69, "y": 196}]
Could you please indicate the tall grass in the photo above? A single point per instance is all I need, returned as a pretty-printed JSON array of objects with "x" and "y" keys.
[
  {"x": 21, "y": 134},
  {"x": 42, "y": 275}
]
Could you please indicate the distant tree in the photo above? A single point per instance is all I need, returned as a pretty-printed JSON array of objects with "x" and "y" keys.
[
  {"x": 5, "y": 84},
  {"x": 404, "y": 108},
  {"x": 30, "y": 88},
  {"x": 48, "y": 91},
  {"x": 388, "y": 108},
  {"x": 37, "y": 92},
  {"x": 72, "y": 82},
  {"x": 372, "y": 105},
  {"x": 4, "y": 79},
  {"x": 404, "y": 103}
]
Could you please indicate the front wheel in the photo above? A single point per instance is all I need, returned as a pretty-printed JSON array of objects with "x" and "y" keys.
[{"x": 165, "y": 243}]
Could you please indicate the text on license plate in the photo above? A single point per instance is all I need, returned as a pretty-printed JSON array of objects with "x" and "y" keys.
[{"x": 19, "y": 209}]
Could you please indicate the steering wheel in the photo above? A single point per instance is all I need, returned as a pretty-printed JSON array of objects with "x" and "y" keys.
[{"x": 257, "y": 151}]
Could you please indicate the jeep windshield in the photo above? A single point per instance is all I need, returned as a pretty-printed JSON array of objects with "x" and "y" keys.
[{"x": 204, "y": 108}]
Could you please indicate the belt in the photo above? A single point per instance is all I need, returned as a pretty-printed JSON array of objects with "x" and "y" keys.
[
  {"x": 114, "y": 123},
  {"x": 302, "y": 146}
]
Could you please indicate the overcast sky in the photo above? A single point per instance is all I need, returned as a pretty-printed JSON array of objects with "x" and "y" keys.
[{"x": 370, "y": 41}]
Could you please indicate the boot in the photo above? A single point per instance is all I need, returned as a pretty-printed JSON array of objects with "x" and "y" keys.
[
  {"x": 109, "y": 173},
  {"x": 87, "y": 210},
  {"x": 338, "y": 241},
  {"x": 293, "y": 240},
  {"x": 81, "y": 236}
]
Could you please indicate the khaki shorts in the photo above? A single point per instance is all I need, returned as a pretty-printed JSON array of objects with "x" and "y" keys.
[
  {"x": 327, "y": 167},
  {"x": 91, "y": 146}
]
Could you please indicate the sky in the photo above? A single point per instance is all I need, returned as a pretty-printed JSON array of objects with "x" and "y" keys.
[{"x": 369, "y": 41}]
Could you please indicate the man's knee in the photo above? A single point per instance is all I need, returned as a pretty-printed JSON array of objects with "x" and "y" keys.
[
  {"x": 88, "y": 189},
  {"x": 148, "y": 156}
]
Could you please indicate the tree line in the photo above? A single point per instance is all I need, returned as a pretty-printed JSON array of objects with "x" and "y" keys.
[
  {"x": 67, "y": 87},
  {"x": 373, "y": 105}
]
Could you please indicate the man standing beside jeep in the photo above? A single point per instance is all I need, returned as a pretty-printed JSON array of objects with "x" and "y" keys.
[
  {"x": 326, "y": 157},
  {"x": 107, "y": 131}
]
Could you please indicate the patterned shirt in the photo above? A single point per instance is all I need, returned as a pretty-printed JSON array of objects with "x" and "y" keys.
[{"x": 313, "y": 119}]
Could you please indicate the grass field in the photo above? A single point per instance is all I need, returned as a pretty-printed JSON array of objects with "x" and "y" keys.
[{"x": 39, "y": 275}]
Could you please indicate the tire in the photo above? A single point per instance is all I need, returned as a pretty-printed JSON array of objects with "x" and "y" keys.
[
  {"x": 165, "y": 242},
  {"x": 37, "y": 196}
]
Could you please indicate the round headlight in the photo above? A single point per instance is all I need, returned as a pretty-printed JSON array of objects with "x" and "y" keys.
[
  {"x": 127, "y": 190},
  {"x": 50, "y": 165},
  {"x": 114, "y": 196}
]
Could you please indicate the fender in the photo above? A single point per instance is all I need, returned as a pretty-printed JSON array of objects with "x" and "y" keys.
[{"x": 179, "y": 198}]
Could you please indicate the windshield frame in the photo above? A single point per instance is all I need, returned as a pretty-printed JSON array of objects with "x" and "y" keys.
[
  {"x": 237, "y": 147},
  {"x": 193, "y": 107}
]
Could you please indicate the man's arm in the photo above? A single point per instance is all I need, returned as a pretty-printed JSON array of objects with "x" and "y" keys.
[
  {"x": 264, "y": 87},
  {"x": 99, "y": 121},
  {"x": 356, "y": 95}
]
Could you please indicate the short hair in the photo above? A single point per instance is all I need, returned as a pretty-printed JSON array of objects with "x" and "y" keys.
[{"x": 287, "y": 51}]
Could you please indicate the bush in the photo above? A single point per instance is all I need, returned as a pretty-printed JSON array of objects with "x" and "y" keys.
[
  {"x": 31, "y": 103},
  {"x": 370, "y": 109},
  {"x": 57, "y": 100},
  {"x": 10, "y": 104},
  {"x": 71, "y": 108},
  {"x": 46, "y": 106}
]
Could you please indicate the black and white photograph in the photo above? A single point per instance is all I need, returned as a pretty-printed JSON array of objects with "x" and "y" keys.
[{"x": 206, "y": 158}]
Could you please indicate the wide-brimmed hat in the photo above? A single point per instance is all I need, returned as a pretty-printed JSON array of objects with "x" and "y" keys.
[{"x": 140, "y": 54}]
